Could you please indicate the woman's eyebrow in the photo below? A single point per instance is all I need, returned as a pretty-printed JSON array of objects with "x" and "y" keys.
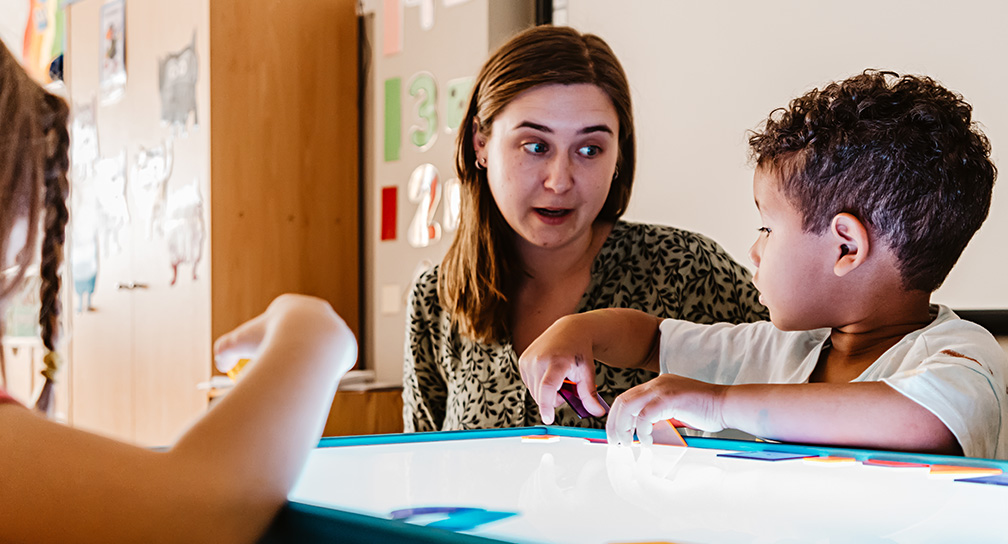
[
  {"x": 597, "y": 128},
  {"x": 546, "y": 129},
  {"x": 535, "y": 126}
]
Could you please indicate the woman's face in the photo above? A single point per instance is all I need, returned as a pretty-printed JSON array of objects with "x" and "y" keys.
[{"x": 550, "y": 161}]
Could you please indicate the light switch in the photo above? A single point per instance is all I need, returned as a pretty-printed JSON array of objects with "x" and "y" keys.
[{"x": 390, "y": 300}]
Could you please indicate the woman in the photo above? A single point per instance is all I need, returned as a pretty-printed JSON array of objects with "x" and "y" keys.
[
  {"x": 227, "y": 476},
  {"x": 546, "y": 160}
]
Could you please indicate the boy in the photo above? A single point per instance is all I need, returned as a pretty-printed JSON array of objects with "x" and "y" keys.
[{"x": 868, "y": 191}]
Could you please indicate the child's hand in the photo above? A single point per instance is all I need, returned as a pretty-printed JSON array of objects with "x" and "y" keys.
[
  {"x": 562, "y": 351},
  {"x": 304, "y": 319},
  {"x": 694, "y": 403},
  {"x": 240, "y": 343}
]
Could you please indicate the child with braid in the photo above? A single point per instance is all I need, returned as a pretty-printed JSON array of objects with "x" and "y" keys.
[{"x": 228, "y": 475}]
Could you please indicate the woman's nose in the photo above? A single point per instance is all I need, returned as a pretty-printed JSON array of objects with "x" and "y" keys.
[{"x": 560, "y": 176}]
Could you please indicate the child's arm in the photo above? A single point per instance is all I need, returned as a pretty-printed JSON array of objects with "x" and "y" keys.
[
  {"x": 864, "y": 414},
  {"x": 619, "y": 337},
  {"x": 224, "y": 479}
]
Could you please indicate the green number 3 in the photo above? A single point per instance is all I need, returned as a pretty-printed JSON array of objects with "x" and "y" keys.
[{"x": 424, "y": 89}]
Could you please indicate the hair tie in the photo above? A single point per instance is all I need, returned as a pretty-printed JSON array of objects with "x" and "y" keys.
[{"x": 52, "y": 361}]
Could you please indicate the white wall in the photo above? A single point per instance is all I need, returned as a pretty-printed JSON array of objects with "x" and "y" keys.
[
  {"x": 704, "y": 72},
  {"x": 13, "y": 18}
]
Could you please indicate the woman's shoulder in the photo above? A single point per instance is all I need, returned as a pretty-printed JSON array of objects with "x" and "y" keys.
[
  {"x": 428, "y": 279},
  {"x": 423, "y": 297},
  {"x": 664, "y": 240}
]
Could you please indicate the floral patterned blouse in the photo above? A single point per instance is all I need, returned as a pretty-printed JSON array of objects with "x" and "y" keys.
[{"x": 452, "y": 382}]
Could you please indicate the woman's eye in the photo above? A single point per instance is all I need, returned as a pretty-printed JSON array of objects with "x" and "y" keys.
[
  {"x": 764, "y": 230},
  {"x": 535, "y": 147},
  {"x": 590, "y": 150}
]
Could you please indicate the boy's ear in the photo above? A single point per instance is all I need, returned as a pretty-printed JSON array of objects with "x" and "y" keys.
[{"x": 850, "y": 243}]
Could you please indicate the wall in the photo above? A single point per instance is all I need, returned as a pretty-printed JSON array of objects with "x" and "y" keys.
[
  {"x": 704, "y": 72},
  {"x": 13, "y": 17}
]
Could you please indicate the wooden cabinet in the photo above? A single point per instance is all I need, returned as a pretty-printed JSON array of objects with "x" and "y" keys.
[
  {"x": 273, "y": 151},
  {"x": 373, "y": 411}
]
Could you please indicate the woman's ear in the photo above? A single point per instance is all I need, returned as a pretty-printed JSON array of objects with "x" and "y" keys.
[
  {"x": 850, "y": 243},
  {"x": 478, "y": 139}
]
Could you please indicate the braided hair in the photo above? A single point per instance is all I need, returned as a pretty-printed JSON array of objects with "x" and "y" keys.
[
  {"x": 57, "y": 189},
  {"x": 34, "y": 144}
]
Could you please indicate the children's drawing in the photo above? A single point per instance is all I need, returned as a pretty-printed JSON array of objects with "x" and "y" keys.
[
  {"x": 110, "y": 191},
  {"x": 184, "y": 228},
  {"x": 177, "y": 74},
  {"x": 84, "y": 253},
  {"x": 149, "y": 184},
  {"x": 84, "y": 139}
]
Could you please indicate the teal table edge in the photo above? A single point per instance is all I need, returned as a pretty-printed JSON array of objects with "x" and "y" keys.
[
  {"x": 299, "y": 522},
  {"x": 696, "y": 442}
]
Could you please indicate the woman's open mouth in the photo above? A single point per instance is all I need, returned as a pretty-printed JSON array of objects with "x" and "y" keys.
[{"x": 553, "y": 212}]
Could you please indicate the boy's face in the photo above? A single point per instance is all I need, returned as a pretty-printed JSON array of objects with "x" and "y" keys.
[{"x": 794, "y": 268}]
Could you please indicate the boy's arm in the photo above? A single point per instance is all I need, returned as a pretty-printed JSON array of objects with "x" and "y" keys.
[
  {"x": 618, "y": 337},
  {"x": 865, "y": 414}
]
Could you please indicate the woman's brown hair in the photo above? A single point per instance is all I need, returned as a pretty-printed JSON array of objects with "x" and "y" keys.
[
  {"x": 478, "y": 273},
  {"x": 34, "y": 145}
]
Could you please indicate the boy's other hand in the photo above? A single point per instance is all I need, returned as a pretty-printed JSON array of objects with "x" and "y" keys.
[
  {"x": 561, "y": 352},
  {"x": 694, "y": 403}
]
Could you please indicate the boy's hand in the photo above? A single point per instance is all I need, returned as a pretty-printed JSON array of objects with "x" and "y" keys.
[
  {"x": 694, "y": 403},
  {"x": 562, "y": 351}
]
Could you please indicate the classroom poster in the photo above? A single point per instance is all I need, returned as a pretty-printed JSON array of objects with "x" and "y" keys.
[
  {"x": 43, "y": 38},
  {"x": 112, "y": 63}
]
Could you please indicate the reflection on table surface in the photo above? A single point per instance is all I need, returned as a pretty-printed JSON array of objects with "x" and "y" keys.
[{"x": 574, "y": 490}]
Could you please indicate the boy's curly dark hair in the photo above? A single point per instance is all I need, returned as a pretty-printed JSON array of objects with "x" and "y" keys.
[{"x": 900, "y": 153}]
